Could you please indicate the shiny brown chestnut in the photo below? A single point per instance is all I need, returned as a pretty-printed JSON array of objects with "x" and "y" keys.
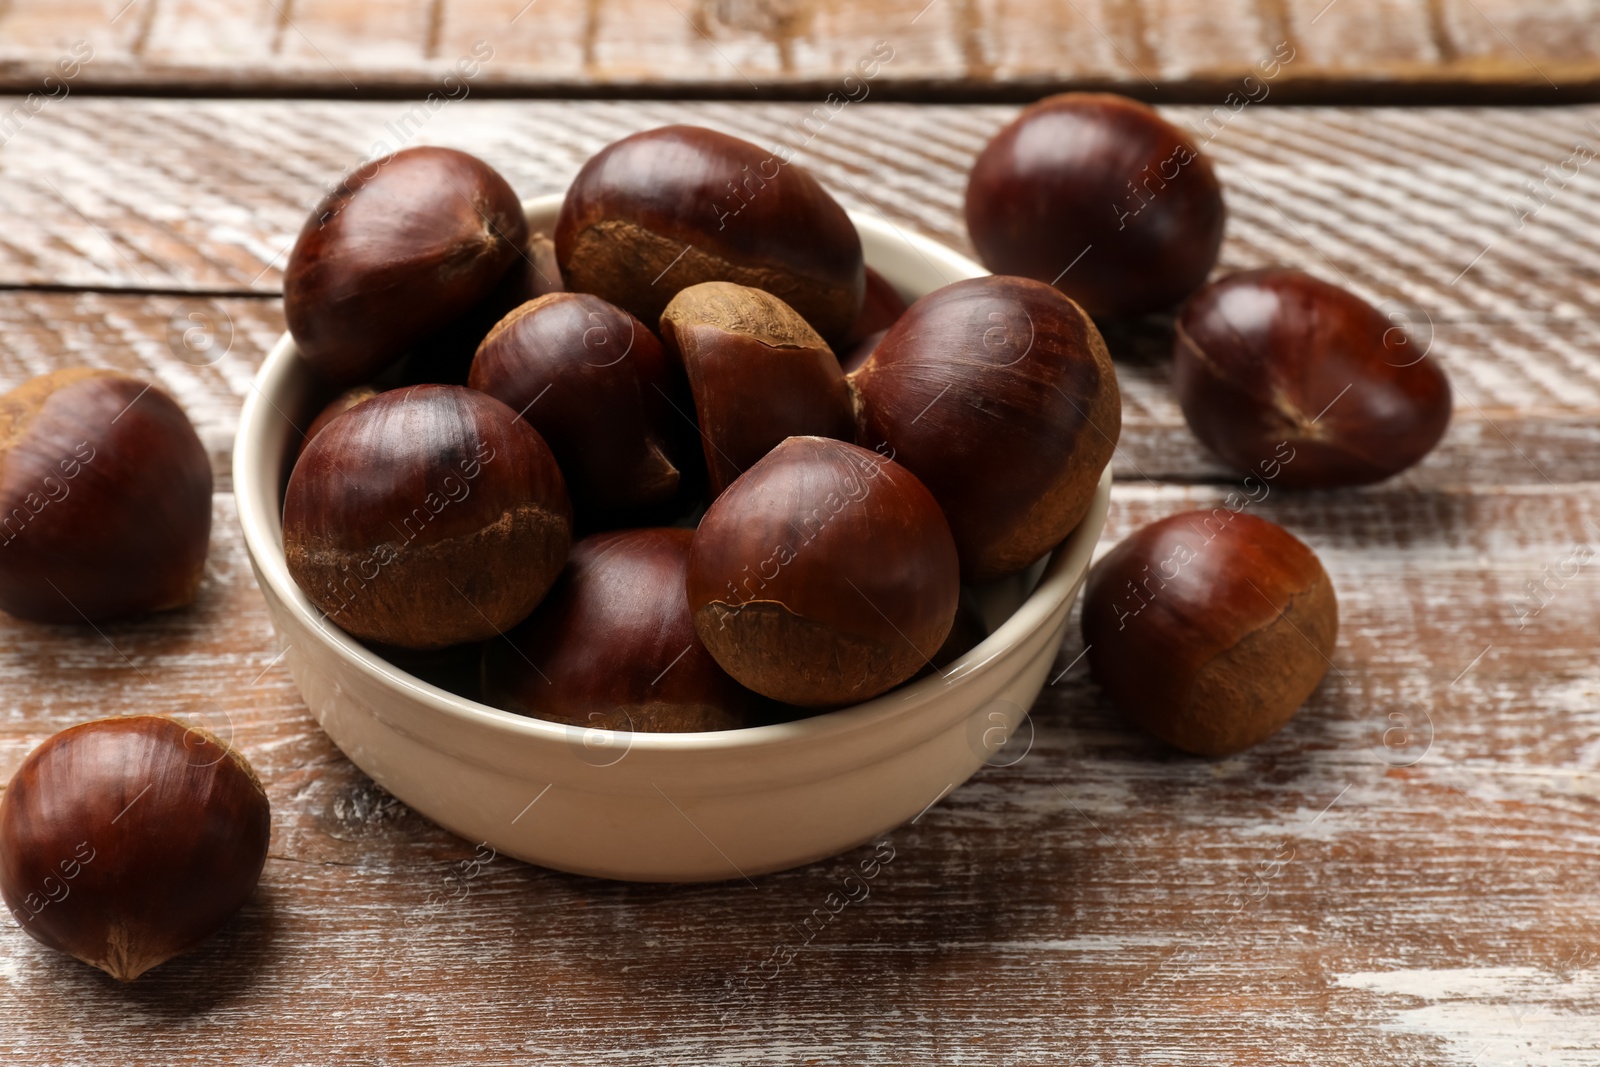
[
  {"x": 758, "y": 372},
  {"x": 403, "y": 247},
  {"x": 1209, "y": 629},
  {"x": 127, "y": 841},
  {"x": 613, "y": 646},
  {"x": 427, "y": 516},
  {"x": 998, "y": 393},
  {"x": 824, "y": 575},
  {"x": 1302, "y": 383},
  {"x": 105, "y": 499},
  {"x": 668, "y": 208},
  {"x": 1101, "y": 197},
  {"x": 599, "y": 389}
]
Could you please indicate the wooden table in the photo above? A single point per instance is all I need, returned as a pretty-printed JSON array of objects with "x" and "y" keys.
[
  {"x": 1383, "y": 51},
  {"x": 1404, "y": 875}
]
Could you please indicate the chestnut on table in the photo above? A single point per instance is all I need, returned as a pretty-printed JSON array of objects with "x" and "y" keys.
[
  {"x": 127, "y": 841},
  {"x": 1209, "y": 629},
  {"x": 105, "y": 499}
]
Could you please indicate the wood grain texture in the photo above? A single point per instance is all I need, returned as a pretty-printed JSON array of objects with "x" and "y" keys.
[
  {"x": 201, "y": 199},
  {"x": 1163, "y": 49},
  {"x": 1402, "y": 877}
]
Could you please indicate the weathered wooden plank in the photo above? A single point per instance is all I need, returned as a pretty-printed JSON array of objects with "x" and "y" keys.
[
  {"x": 1430, "y": 208},
  {"x": 1427, "y": 213},
  {"x": 1166, "y": 49},
  {"x": 1325, "y": 895},
  {"x": 1511, "y": 426}
]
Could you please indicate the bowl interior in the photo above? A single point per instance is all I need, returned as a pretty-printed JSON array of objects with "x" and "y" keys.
[{"x": 285, "y": 397}]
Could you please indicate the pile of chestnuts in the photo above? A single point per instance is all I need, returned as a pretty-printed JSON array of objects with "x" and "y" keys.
[{"x": 701, "y": 468}]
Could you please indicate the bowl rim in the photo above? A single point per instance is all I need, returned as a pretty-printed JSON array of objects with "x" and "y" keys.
[{"x": 263, "y": 537}]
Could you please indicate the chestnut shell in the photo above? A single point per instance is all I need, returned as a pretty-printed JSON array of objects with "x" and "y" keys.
[
  {"x": 1210, "y": 628},
  {"x": 401, "y": 249},
  {"x": 105, "y": 499},
  {"x": 999, "y": 394},
  {"x": 595, "y": 383},
  {"x": 824, "y": 575},
  {"x": 1293, "y": 379},
  {"x": 668, "y": 208},
  {"x": 1104, "y": 177},
  {"x": 127, "y": 841},
  {"x": 613, "y": 646},
  {"x": 425, "y": 517}
]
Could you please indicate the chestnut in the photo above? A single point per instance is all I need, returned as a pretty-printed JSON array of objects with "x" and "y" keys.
[
  {"x": 613, "y": 646},
  {"x": 998, "y": 393},
  {"x": 400, "y": 249},
  {"x": 127, "y": 841},
  {"x": 759, "y": 373},
  {"x": 824, "y": 575},
  {"x": 665, "y": 209},
  {"x": 1101, "y": 197},
  {"x": 1209, "y": 629},
  {"x": 1297, "y": 381},
  {"x": 105, "y": 499},
  {"x": 597, "y": 386},
  {"x": 427, "y": 516}
]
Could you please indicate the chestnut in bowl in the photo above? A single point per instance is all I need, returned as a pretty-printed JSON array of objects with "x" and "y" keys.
[
  {"x": 668, "y": 208},
  {"x": 611, "y": 405},
  {"x": 758, "y": 372},
  {"x": 425, "y": 517},
  {"x": 401, "y": 249},
  {"x": 127, "y": 841},
  {"x": 999, "y": 394},
  {"x": 1209, "y": 629},
  {"x": 613, "y": 646},
  {"x": 1291, "y": 378},
  {"x": 1101, "y": 197},
  {"x": 105, "y": 499},
  {"x": 825, "y": 574}
]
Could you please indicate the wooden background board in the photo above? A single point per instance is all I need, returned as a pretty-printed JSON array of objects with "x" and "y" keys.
[
  {"x": 1402, "y": 876},
  {"x": 1169, "y": 50}
]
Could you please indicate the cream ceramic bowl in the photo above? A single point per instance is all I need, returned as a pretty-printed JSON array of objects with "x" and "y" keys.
[{"x": 659, "y": 807}]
